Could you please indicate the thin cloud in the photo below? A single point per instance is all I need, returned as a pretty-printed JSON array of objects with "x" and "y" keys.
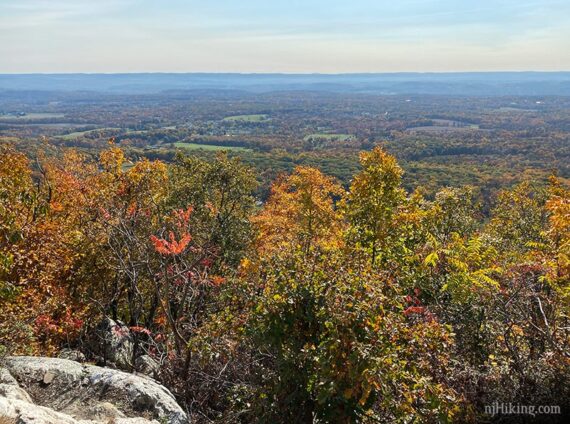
[{"x": 256, "y": 35}]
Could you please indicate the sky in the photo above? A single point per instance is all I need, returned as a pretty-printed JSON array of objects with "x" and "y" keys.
[{"x": 292, "y": 36}]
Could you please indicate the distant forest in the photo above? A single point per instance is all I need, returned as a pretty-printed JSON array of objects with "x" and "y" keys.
[{"x": 468, "y": 83}]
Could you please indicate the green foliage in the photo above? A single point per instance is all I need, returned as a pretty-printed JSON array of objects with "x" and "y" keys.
[
  {"x": 338, "y": 346},
  {"x": 221, "y": 194},
  {"x": 321, "y": 305},
  {"x": 518, "y": 219},
  {"x": 454, "y": 211},
  {"x": 375, "y": 195}
]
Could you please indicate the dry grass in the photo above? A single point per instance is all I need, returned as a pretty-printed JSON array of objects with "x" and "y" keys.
[{"x": 7, "y": 420}]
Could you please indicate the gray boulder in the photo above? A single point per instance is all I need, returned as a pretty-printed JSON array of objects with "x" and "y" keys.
[
  {"x": 113, "y": 341},
  {"x": 145, "y": 364},
  {"x": 72, "y": 355},
  {"x": 14, "y": 392},
  {"x": 6, "y": 377},
  {"x": 10, "y": 389},
  {"x": 60, "y": 389},
  {"x": 27, "y": 413}
]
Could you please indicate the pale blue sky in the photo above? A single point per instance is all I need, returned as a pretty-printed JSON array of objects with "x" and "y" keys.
[{"x": 283, "y": 36}]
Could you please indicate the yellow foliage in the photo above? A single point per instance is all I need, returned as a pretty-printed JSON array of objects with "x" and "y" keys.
[{"x": 300, "y": 211}]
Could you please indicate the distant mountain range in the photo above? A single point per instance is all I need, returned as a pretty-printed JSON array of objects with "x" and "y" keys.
[{"x": 467, "y": 83}]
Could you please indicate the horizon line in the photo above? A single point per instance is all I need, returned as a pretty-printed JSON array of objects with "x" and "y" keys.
[{"x": 287, "y": 73}]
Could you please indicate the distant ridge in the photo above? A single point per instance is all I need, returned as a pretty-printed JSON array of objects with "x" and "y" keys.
[{"x": 461, "y": 83}]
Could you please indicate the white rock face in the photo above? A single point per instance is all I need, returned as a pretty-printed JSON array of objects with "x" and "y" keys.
[
  {"x": 28, "y": 413},
  {"x": 6, "y": 377},
  {"x": 59, "y": 391},
  {"x": 14, "y": 392}
]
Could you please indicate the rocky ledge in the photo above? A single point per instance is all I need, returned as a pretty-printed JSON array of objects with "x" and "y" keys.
[{"x": 42, "y": 390}]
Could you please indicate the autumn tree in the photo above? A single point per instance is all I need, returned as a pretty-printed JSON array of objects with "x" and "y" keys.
[
  {"x": 518, "y": 219},
  {"x": 373, "y": 201},
  {"x": 300, "y": 212},
  {"x": 38, "y": 248},
  {"x": 221, "y": 194}
]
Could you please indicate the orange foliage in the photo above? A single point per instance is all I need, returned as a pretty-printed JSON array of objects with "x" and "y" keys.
[
  {"x": 172, "y": 246},
  {"x": 300, "y": 210}
]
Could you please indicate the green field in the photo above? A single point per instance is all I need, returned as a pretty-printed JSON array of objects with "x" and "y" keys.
[
  {"x": 246, "y": 118},
  {"x": 73, "y": 135},
  {"x": 77, "y": 134},
  {"x": 194, "y": 146},
  {"x": 330, "y": 137},
  {"x": 32, "y": 116}
]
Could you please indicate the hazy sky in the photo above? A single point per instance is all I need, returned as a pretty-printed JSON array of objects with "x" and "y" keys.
[{"x": 283, "y": 36}]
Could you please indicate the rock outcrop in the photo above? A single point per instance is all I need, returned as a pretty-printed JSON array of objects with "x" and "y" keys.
[
  {"x": 59, "y": 391},
  {"x": 113, "y": 342},
  {"x": 147, "y": 365}
]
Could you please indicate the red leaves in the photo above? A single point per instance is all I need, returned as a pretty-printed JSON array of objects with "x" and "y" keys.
[
  {"x": 216, "y": 280},
  {"x": 414, "y": 310},
  {"x": 65, "y": 324},
  {"x": 206, "y": 262},
  {"x": 140, "y": 330},
  {"x": 119, "y": 331},
  {"x": 172, "y": 246},
  {"x": 44, "y": 324},
  {"x": 183, "y": 216},
  {"x": 416, "y": 307}
]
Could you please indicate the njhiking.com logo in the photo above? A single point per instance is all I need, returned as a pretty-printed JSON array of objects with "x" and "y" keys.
[{"x": 508, "y": 408}]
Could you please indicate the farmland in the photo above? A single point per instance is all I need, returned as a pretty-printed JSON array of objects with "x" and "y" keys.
[
  {"x": 208, "y": 147},
  {"x": 31, "y": 116},
  {"x": 440, "y": 141},
  {"x": 329, "y": 137},
  {"x": 247, "y": 118}
]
